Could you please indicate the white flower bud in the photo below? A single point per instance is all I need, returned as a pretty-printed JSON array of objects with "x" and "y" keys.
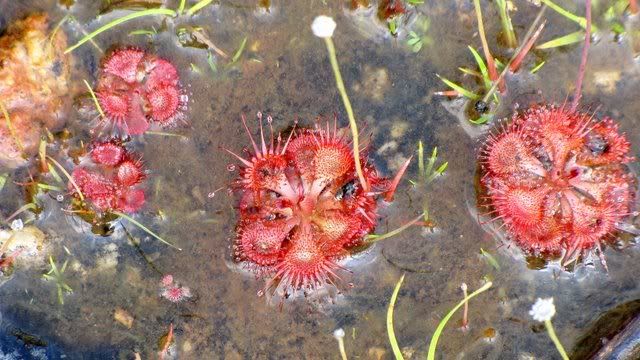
[
  {"x": 323, "y": 26},
  {"x": 543, "y": 309}
]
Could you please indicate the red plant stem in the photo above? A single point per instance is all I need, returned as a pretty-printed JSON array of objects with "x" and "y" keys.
[
  {"x": 583, "y": 61},
  {"x": 491, "y": 65},
  {"x": 517, "y": 61},
  {"x": 633, "y": 6}
]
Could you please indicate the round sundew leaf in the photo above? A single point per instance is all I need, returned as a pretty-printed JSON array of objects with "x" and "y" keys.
[
  {"x": 164, "y": 102},
  {"x": 124, "y": 64},
  {"x": 130, "y": 200},
  {"x": 108, "y": 153},
  {"x": 129, "y": 173},
  {"x": 162, "y": 73},
  {"x": 115, "y": 105}
]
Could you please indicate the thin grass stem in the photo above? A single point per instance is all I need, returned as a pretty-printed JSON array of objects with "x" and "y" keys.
[
  {"x": 556, "y": 341},
  {"x": 144, "y": 228},
  {"x": 69, "y": 177},
  {"x": 507, "y": 25},
  {"x": 116, "y": 22},
  {"x": 55, "y": 30},
  {"x": 420, "y": 159},
  {"x": 95, "y": 99},
  {"x": 569, "y": 15},
  {"x": 493, "y": 73},
  {"x": 12, "y": 130},
  {"x": 347, "y": 104},
  {"x": 583, "y": 61},
  {"x": 529, "y": 34},
  {"x": 390, "y": 332},
  {"x": 181, "y": 6},
  {"x": 431, "y": 355},
  {"x": 375, "y": 238},
  {"x": 23, "y": 208}
]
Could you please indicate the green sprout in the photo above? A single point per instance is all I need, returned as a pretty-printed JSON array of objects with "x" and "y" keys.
[
  {"x": 393, "y": 27},
  {"x": 417, "y": 40},
  {"x": 57, "y": 275},
  {"x": 427, "y": 173}
]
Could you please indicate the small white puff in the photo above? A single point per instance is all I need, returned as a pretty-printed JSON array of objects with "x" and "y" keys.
[
  {"x": 323, "y": 26},
  {"x": 17, "y": 225},
  {"x": 543, "y": 309},
  {"x": 338, "y": 333}
]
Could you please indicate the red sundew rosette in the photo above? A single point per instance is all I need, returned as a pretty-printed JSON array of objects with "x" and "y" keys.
[
  {"x": 302, "y": 210},
  {"x": 109, "y": 179},
  {"x": 136, "y": 90},
  {"x": 557, "y": 181}
]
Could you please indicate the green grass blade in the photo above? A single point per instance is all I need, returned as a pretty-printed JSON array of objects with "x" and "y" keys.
[
  {"x": 537, "y": 67},
  {"x": 116, "y": 22},
  {"x": 574, "y": 37},
  {"x": 575, "y": 18},
  {"x": 142, "y": 32},
  {"x": 467, "y": 71},
  {"x": 198, "y": 6},
  {"x": 482, "y": 67},
  {"x": 181, "y": 6},
  {"x": 212, "y": 64},
  {"x": 507, "y": 25},
  {"x": 482, "y": 119},
  {"x": 462, "y": 91},
  {"x": 238, "y": 52},
  {"x": 144, "y": 228},
  {"x": 375, "y": 238},
  {"x": 392, "y": 335},
  {"x": 431, "y": 355},
  {"x": 432, "y": 161},
  {"x": 420, "y": 158},
  {"x": 49, "y": 187}
]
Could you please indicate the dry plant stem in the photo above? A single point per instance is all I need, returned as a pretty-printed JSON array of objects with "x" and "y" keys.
[
  {"x": 203, "y": 38},
  {"x": 517, "y": 61},
  {"x": 583, "y": 61},
  {"x": 347, "y": 105},
  {"x": 491, "y": 65},
  {"x": 529, "y": 34},
  {"x": 465, "y": 312}
]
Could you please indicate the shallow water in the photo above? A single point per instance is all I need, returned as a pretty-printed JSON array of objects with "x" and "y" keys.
[{"x": 284, "y": 71}]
